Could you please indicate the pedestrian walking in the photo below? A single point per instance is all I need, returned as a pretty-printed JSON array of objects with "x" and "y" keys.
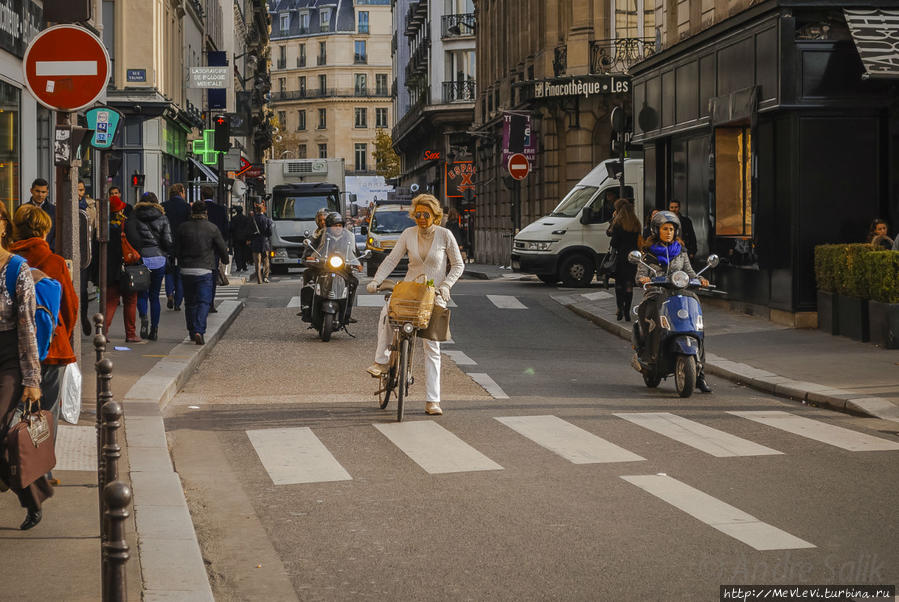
[
  {"x": 88, "y": 207},
  {"x": 40, "y": 191},
  {"x": 878, "y": 237},
  {"x": 218, "y": 216},
  {"x": 115, "y": 268},
  {"x": 688, "y": 234},
  {"x": 31, "y": 224},
  {"x": 624, "y": 230},
  {"x": 177, "y": 210},
  {"x": 150, "y": 233},
  {"x": 428, "y": 247},
  {"x": 261, "y": 244},
  {"x": 197, "y": 245},
  {"x": 20, "y": 367},
  {"x": 240, "y": 232}
]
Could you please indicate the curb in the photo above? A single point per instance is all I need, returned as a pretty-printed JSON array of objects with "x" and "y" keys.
[
  {"x": 172, "y": 566},
  {"x": 473, "y": 275},
  {"x": 805, "y": 392}
]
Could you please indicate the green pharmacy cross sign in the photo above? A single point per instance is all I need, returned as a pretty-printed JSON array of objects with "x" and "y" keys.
[{"x": 206, "y": 147}]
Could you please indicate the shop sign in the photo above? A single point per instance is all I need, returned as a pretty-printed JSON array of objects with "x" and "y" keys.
[
  {"x": 876, "y": 36},
  {"x": 432, "y": 155},
  {"x": 518, "y": 126},
  {"x": 20, "y": 21},
  {"x": 208, "y": 77},
  {"x": 586, "y": 86},
  {"x": 459, "y": 178}
]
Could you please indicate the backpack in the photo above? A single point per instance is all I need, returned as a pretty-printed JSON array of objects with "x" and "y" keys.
[{"x": 48, "y": 294}]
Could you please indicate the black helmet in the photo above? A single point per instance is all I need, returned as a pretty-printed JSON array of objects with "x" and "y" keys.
[
  {"x": 664, "y": 217},
  {"x": 333, "y": 219}
]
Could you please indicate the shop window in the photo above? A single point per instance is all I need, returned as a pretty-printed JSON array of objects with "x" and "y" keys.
[
  {"x": 733, "y": 182},
  {"x": 10, "y": 148}
]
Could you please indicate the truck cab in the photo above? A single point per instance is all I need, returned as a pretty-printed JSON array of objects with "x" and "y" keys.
[{"x": 568, "y": 245}]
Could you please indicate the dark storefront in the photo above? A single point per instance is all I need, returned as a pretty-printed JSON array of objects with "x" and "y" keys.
[{"x": 774, "y": 138}]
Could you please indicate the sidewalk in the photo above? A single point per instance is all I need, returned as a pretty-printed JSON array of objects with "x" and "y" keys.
[
  {"x": 482, "y": 271},
  {"x": 67, "y": 542},
  {"x": 801, "y": 364}
]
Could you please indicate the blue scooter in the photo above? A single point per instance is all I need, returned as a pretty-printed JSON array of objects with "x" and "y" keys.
[{"x": 678, "y": 346}]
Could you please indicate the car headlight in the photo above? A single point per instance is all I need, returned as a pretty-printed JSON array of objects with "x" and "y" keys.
[
  {"x": 336, "y": 261},
  {"x": 279, "y": 253},
  {"x": 374, "y": 244},
  {"x": 539, "y": 245},
  {"x": 408, "y": 328},
  {"x": 680, "y": 279}
]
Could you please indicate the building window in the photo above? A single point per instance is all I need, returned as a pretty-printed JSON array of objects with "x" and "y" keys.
[
  {"x": 285, "y": 21},
  {"x": 360, "y": 56},
  {"x": 361, "y": 84},
  {"x": 322, "y": 119},
  {"x": 363, "y": 21},
  {"x": 301, "y": 124},
  {"x": 361, "y": 117},
  {"x": 282, "y": 57},
  {"x": 282, "y": 120},
  {"x": 301, "y": 151},
  {"x": 633, "y": 19},
  {"x": 322, "y": 53},
  {"x": 381, "y": 84},
  {"x": 302, "y": 84},
  {"x": 325, "y": 20},
  {"x": 381, "y": 118},
  {"x": 282, "y": 84},
  {"x": 301, "y": 56},
  {"x": 361, "y": 157},
  {"x": 733, "y": 182},
  {"x": 323, "y": 84},
  {"x": 322, "y": 151},
  {"x": 304, "y": 23}
]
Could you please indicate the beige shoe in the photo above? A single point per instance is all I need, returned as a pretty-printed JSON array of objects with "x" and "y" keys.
[
  {"x": 377, "y": 369},
  {"x": 433, "y": 408}
]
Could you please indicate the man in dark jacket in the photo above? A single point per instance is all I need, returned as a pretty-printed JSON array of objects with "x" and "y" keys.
[
  {"x": 198, "y": 246},
  {"x": 687, "y": 232},
  {"x": 218, "y": 216},
  {"x": 261, "y": 244},
  {"x": 241, "y": 231},
  {"x": 40, "y": 191},
  {"x": 178, "y": 212}
]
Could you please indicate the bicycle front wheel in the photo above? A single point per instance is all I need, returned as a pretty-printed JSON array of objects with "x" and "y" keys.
[{"x": 402, "y": 378}]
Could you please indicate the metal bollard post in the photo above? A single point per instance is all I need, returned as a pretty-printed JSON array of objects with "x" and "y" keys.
[
  {"x": 104, "y": 395},
  {"x": 117, "y": 496},
  {"x": 112, "y": 451}
]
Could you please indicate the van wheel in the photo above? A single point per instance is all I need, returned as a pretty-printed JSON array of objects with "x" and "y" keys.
[
  {"x": 370, "y": 268},
  {"x": 550, "y": 279},
  {"x": 576, "y": 271}
]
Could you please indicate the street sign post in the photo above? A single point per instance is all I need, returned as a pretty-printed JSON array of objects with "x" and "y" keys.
[
  {"x": 519, "y": 166},
  {"x": 66, "y": 68}
]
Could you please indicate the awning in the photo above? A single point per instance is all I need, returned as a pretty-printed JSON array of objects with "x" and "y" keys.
[
  {"x": 205, "y": 170},
  {"x": 876, "y": 36}
]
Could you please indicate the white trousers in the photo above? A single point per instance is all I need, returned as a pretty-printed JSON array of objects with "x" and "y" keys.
[{"x": 431, "y": 353}]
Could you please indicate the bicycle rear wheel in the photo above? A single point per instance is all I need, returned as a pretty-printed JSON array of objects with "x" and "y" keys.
[{"x": 402, "y": 378}]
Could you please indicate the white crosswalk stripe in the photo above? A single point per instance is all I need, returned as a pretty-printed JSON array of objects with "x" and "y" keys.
[
  {"x": 458, "y": 357},
  {"x": 567, "y": 440},
  {"x": 506, "y": 302},
  {"x": 704, "y": 438},
  {"x": 718, "y": 514},
  {"x": 819, "y": 431},
  {"x": 378, "y": 301},
  {"x": 434, "y": 448},
  {"x": 295, "y": 455}
]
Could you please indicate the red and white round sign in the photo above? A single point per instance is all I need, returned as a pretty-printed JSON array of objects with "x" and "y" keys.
[
  {"x": 66, "y": 68},
  {"x": 519, "y": 166}
]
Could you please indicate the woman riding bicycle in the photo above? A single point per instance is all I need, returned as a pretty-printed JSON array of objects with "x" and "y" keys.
[{"x": 428, "y": 247}]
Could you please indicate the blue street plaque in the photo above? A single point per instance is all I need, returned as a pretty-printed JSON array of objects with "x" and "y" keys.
[
  {"x": 137, "y": 75},
  {"x": 103, "y": 121}
]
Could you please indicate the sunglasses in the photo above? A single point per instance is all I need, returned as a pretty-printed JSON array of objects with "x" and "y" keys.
[{"x": 422, "y": 215}]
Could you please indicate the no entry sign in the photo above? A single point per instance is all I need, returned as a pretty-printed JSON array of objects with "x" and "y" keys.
[
  {"x": 66, "y": 68},
  {"x": 519, "y": 166}
]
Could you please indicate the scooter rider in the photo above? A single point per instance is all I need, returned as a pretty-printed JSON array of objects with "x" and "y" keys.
[
  {"x": 311, "y": 271},
  {"x": 333, "y": 222},
  {"x": 664, "y": 253}
]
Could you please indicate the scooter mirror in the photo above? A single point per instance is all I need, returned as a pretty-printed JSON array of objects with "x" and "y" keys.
[
  {"x": 307, "y": 242},
  {"x": 634, "y": 257},
  {"x": 306, "y": 233},
  {"x": 713, "y": 261},
  {"x": 367, "y": 254}
]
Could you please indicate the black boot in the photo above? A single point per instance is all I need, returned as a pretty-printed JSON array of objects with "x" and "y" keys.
[
  {"x": 31, "y": 519},
  {"x": 701, "y": 384},
  {"x": 153, "y": 336},
  {"x": 628, "y": 301},
  {"x": 144, "y": 327}
]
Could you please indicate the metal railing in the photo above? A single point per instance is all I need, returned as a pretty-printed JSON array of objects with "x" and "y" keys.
[
  {"x": 286, "y": 95},
  {"x": 459, "y": 91},
  {"x": 322, "y": 60},
  {"x": 301, "y": 61},
  {"x": 458, "y": 26},
  {"x": 560, "y": 60},
  {"x": 619, "y": 55},
  {"x": 360, "y": 59},
  {"x": 282, "y": 64}
]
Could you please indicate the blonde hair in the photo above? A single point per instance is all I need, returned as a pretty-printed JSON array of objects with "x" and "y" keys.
[
  {"x": 429, "y": 201},
  {"x": 30, "y": 221}
]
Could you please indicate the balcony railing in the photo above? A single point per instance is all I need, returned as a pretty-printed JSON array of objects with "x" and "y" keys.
[
  {"x": 321, "y": 60},
  {"x": 560, "y": 60},
  {"x": 282, "y": 64},
  {"x": 301, "y": 61},
  {"x": 459, "y": 91},
  {"x": 457, "y": 26},
  {"x": 416, "y": 17},
  {"x": 360, "y": 59},
  {"x": 287, "y": 95},
  {"x": 619, "y": 55}
]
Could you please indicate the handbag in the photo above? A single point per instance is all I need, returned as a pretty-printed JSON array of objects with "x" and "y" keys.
[
  {"x": 438, "y": 328},
  {"x": 134, "y": 278},
  {"x": 608, "y": 263},
  {"x": 221, "y": 276},
  {"x": 30, "y": 447},
  {"x": 130, "y": 256}
]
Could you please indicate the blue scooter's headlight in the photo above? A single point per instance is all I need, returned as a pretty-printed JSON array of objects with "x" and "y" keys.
[
  {"x": 699, "y": 322},
  {"x": 680, "y": 279}
]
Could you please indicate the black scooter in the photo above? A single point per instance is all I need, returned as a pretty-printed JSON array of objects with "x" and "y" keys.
[{"x": 330, "y": 307}]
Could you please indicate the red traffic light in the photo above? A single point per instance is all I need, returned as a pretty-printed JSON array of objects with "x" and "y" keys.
[{"x": 220, "y": 120}]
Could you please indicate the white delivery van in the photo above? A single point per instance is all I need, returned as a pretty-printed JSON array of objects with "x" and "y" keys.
[{"x": 569, "y": 244}]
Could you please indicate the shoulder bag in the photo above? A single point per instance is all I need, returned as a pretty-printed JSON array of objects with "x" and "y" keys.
[
  {"x": 30, "y": 448},
  {"x": 438, "y": 328},
  {"x": 608, "y": 262},
  {"x": 134, "y": 278}
]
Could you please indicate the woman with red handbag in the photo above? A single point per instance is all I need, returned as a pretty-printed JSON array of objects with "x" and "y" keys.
[
  {"x": 20, "y": 367},
  {"x": 115, "y": 262}
]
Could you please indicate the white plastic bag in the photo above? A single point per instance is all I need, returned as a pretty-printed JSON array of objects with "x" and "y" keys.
[{"x": 70, "y": 394}]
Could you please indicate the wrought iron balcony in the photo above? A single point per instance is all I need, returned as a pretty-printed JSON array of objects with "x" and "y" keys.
[
  {"x": 416, "y": 17},
  {"x": 322, "y": 60},
  {"x": 301, "y": 61},
  {"x": 458, "y": 26},
  {"x": 282, "y": 64},
  {"x": 619, "y": 55},
  {"x": 288, "y": 95},
  {"x": 459, "y": 91},
  {"x": 560, "y": 60},
  {"x": 360, "y": 59}
]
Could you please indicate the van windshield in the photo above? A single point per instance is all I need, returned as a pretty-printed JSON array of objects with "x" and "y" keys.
[
  {"x": 390, "y": 222},
  {"x": 574, "y": 201},
  {"x": 301, "y": 208}
]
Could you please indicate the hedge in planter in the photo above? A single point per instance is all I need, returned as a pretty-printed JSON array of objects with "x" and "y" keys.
[
  {"x": 828, "y": 314},
  {"x": 881, "y": 272}
]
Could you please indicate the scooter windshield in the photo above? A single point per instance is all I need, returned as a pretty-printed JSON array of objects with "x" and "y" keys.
[{"x": 338, "y": 241}]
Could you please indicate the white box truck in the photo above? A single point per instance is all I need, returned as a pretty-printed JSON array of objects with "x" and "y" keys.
[
  {"x": 568, "y": 244},
  {"x": 298, "y": 188}
]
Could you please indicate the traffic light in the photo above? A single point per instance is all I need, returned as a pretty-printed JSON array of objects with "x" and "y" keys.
[
  {"x": 137, "y": 180},
  {"x": 222, "y": 140}
]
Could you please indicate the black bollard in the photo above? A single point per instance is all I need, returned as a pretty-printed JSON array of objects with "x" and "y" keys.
[
  {"x": 112, "y": 451},
  {"x": 104, "y": 395},
  {"x": 117, "y": 496}
]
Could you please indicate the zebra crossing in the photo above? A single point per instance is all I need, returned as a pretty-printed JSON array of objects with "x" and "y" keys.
[
  {"x": 232, "y": 292},
  {"x": 295, "y": 456}
]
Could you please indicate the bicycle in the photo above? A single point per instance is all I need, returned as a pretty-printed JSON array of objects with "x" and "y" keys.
[{"x": 399, "y": 377}]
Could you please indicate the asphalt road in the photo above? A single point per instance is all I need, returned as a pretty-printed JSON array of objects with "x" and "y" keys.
[{"x": 557, "y": 475}]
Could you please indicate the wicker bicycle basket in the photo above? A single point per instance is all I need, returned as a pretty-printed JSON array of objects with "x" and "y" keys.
[{"x": 411, "y": 302}]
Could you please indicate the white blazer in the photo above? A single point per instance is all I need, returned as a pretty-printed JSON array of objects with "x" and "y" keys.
[{"x": 433, "y": 266}]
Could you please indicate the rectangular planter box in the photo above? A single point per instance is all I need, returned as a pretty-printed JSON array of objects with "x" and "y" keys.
[
  {"x": 853, "y": 317},
  {"x": 828, "y": 318},
  {"x": 883, "y": 322}
]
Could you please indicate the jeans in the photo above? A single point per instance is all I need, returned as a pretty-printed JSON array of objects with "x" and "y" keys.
[
  {"x": 431, "y": 351},
  {"x": 198, "y": 298},
  {"x": 174, "y": 287},
  {"x": 152, "y": 295}
]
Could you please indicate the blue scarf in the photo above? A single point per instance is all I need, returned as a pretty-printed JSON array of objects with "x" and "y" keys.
[{"x": 665, "y": 253}]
